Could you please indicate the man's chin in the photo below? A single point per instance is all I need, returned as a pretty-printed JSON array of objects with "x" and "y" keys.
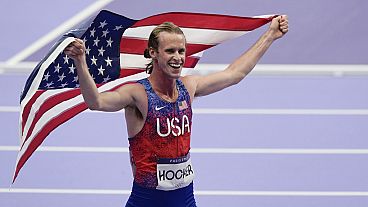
[
  {"x": 176, "y": 73},
  {"x": 175, "y": 76}
]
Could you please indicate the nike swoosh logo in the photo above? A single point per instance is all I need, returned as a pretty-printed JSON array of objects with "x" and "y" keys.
[{"x": 159, "y": 108}]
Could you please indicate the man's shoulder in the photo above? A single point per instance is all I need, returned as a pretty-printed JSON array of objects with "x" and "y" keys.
[{"x": 134, "y": 88}]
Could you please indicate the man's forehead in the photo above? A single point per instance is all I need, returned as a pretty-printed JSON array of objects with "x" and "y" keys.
[{"x": 167, "y": 36}]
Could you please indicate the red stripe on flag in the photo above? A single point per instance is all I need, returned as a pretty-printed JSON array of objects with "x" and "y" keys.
[
  {"x": 124, "y": 72},
  {"x": 28, "y": 107},
  {"x": 191, "y": 62},
  {"x": 205, "y": 21}
]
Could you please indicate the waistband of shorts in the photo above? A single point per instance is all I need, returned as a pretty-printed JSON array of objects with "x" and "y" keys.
[{"x": 140, "y": 188}]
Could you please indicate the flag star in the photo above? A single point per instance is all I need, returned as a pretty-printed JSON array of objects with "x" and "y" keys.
[
  {"x": 101, "y": 70},
  {"x": 61, "y": 77},
  {"x": 101, "y": 51},
  {"x": 104, "y": 33},
  {"x": 77, "y": 85},
  {"x": 63, "y": 85},
  {"x": 105, "y": 80},
  {"x": 84, "y": 40},
  {"x": 109, "y": 42},
  {"x": 75, "y": 79},
  {"x": 94, "y": 60},
  {"x": 71, "y": 68},
  {"x": 92, "y": 32},
  {"x": 118, "y": 27},
  {"x": 57, "y": 68},
  {"x": 88, "y": 50},
  {"x": 46, "y": 76},
  {"x": 108, "y": 61},
  {"x": 93, "y": 77},
  {"x": 48, "y": 85},
  {"x": 102, "y": 24},
  {"x": 66, "y": 59},
  {"x": 96, "y": 42}
]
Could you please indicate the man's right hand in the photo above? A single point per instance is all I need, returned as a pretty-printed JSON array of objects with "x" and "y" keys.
[{"x": 76, "y": 50}]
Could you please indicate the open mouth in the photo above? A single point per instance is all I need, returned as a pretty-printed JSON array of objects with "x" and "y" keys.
[{"x": 175, "y": 65}]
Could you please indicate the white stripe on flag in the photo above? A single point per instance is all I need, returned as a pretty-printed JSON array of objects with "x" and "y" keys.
[
  {"x": 197, "y": 55},
  {"x": 133, "y": 61},
  {"x": 139, "y": 61}
]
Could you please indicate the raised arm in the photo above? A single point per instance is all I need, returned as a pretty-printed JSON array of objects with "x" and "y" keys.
[
  {"x": 236, "y": 71},
  {"x": 106, "y": 101}
]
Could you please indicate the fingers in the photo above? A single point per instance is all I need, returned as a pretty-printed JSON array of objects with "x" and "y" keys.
[
  {"x": 283, "y": 23},
  {"x": 74, "y": 49}
]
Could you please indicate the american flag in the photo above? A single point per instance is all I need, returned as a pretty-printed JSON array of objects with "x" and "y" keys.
[
  {"x": 183, "y": 105},
  {"x": 114, "y": 54}
]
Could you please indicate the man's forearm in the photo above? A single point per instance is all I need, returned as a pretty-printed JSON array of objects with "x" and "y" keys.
[
  {"x": 87, "y": 85},
  {"x": 246, "y": 62}
]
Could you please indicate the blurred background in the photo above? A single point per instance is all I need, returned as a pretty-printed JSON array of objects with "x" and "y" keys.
[{"x": 293, "y": 133}]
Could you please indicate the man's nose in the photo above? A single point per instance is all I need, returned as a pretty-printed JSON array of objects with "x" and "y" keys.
[{"x": 177, "y": 55}]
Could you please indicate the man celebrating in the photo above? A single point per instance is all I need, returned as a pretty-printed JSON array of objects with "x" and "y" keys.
[{"x": 158, "y": 110}]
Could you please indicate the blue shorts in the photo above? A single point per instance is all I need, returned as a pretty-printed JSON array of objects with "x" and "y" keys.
[{"x": 142, "y": 197}]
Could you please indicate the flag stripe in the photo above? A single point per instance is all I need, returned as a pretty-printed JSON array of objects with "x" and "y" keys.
[
  {"x": 191, "y": 62},
  {"x": 28, "y": 107},
  {"x": 206, "y": 21},
  {"x": 130, "y": 71}
]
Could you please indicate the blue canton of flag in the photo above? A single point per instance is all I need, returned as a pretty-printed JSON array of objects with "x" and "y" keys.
[
  {"x": 101, "y": 36},
  {"x": 101, "y": 40}
]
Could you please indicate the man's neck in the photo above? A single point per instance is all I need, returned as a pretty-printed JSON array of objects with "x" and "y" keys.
[{"x": 164, "y": 86}]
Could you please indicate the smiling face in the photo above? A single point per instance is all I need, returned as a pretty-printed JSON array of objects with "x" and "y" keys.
[{"x": 169, "y": 58}]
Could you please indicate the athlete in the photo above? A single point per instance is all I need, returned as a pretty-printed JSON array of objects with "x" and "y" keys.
[{"x": 158, "y": 110}]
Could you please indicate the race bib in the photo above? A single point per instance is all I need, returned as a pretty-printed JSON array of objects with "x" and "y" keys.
[{"x": 174, "y": 173}]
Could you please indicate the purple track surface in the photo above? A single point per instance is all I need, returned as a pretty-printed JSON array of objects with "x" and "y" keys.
[
  {"x": 321, "y": 32},
  {"x": 215, "y": 171}
]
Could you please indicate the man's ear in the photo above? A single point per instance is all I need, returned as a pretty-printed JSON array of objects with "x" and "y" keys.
[{"x": 152, "y": 53}]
